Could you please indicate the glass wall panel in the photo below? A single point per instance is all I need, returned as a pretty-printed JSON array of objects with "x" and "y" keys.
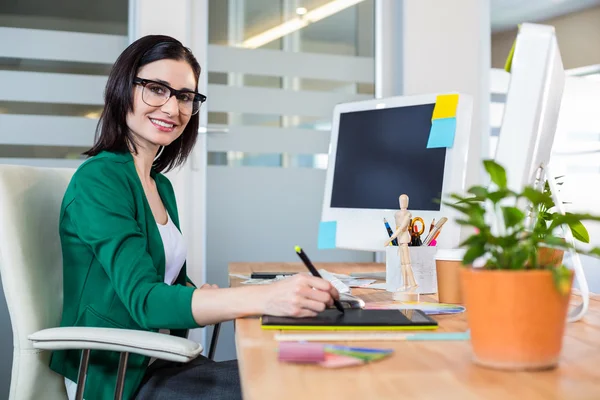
[
  {"x": 68, "y": 28},
  {"x": 348, "y": 32}
]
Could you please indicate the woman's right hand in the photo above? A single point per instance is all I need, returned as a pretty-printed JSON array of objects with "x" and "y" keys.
[{"x": 298, "y": 296}]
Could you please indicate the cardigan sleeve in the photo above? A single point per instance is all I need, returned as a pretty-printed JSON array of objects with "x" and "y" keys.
[{"x": 103, "y": 214}]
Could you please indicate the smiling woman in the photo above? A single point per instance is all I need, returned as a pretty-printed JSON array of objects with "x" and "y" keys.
[
  {"x": 119, "y": 216},
  {"x": 124, "y": 256}
]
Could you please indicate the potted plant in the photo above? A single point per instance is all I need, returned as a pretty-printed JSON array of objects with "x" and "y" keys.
[{"x": 516, "y": 302}]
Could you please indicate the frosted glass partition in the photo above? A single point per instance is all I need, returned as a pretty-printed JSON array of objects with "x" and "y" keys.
[{"x": 52, "y": 87}]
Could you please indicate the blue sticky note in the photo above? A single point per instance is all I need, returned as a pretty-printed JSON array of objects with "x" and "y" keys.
[
  {"x": 327, "y": 232},
  {"x": 442, "y": 133}
]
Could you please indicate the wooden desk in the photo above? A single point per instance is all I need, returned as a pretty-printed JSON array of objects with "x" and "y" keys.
[{"x": 416, "y": 370}]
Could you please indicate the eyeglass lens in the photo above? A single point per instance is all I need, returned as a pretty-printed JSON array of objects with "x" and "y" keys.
[{"x": 155, "y": 95}]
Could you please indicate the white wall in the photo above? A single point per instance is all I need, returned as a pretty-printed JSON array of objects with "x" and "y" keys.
[{"x": 578, "y": 36}]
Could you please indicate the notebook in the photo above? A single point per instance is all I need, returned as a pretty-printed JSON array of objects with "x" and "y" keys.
[{"x": 354, "y": 319}]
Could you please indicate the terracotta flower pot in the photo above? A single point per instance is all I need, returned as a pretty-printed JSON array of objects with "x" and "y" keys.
[
  {"x": 550, "y": 257},
  {"x": 517, "y": 318}
]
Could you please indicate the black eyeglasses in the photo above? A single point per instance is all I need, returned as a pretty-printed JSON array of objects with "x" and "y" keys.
[{"x": 157, "y": 94}]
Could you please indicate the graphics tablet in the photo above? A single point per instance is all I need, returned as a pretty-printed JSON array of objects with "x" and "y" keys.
[{"x": 352, "y": 319}]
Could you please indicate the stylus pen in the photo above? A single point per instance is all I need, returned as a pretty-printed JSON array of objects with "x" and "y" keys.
[{"x": 314, "y": 271}]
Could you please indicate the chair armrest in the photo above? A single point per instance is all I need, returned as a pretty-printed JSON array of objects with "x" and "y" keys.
[{"x": 149, "y": 344}]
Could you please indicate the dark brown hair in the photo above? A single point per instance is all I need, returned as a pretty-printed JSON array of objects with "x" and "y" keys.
[{"x": 112, "y": 132}]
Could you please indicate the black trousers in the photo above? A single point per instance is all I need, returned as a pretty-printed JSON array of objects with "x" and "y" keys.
[{"x": 199, "y": 379}]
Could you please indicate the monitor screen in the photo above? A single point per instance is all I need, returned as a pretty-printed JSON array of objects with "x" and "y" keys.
[{"x": 382, "y": 154}]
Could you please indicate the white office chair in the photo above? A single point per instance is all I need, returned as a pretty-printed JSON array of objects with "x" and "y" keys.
[{"x": 31, "y": 272}]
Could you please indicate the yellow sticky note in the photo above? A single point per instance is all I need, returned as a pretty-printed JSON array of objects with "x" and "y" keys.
[{"x": 445, "y": 106}]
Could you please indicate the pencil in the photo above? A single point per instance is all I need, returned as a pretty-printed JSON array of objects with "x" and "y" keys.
[
  {"x": 314, "y": 271},
  {"x": 431, "y": 226},
  {"x": 390, "y": 232}
]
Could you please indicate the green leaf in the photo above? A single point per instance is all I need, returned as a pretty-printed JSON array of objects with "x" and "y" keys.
[
  {"x": 562, "y": 279},
  {"x": 474, "y": 199},
  {"x": 537, "y": 197},
  {"x": 512, "y": 216},
  {"x": 476, "y": 219},
  {"x": 459, "y": 207},
  {"x": 554, "y": 241},
  {"x": 518, "y": 258},
  {"x": 478, "y": 191},
  {"x": 571, "y": 218},
  {"x": 472, "y": 254},
  {"x": 474, "y": 240},
  {"x": 462, "y": 222},
  {"x": 579, "y": 231},
  {"x": 495, "y": 197},
  {"x": 509, "y": 58},
  {"x": 497, "y": 173},
  {"x": 545, "y": 216}
]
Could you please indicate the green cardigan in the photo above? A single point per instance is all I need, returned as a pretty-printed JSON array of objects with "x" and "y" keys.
[{"x": 114, "y": 268}]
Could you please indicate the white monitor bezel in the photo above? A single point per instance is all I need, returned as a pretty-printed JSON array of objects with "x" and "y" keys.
[{"x": 363, "y": 229}]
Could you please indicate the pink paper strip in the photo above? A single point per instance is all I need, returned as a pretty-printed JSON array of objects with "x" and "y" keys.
[{"x": 301, "y": 352}]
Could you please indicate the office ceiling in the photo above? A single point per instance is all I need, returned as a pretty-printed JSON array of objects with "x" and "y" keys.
[{"x": 505, "y": 14}]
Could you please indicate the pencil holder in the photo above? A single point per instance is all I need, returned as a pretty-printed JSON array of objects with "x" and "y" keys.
[{"x": 423, "y": 265}]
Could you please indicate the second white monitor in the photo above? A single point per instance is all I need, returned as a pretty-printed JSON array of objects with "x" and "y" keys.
[{"x": 378, "y": 151}]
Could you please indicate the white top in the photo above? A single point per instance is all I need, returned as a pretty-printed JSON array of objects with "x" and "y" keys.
[
  {"x": 175, "y": 255},
  {"x": 175, "y": 250}
]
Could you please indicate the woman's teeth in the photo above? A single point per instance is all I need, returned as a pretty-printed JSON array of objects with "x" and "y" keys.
[{"x": 161, "y": 123}]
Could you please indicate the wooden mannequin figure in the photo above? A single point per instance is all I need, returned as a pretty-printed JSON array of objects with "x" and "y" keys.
[{"x": 409, "y": 285}]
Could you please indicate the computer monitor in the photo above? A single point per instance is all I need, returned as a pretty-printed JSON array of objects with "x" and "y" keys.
[
  {"x": 537, "y": 80},
  {"x": 378, "y": 151}
]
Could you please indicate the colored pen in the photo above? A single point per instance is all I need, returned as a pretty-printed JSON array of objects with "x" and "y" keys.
[
  {"x": 431, "y": 226},
  {"x": 314, "y": 271},
  {"x": 390, "y": 232},
  {"x": 434, "y": 241}
]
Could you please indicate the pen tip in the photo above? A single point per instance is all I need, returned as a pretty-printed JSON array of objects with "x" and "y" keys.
[{"x": 298, "y": 249}]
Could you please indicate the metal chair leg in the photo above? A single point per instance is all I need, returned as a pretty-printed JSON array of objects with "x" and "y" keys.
[
  {"x": 83, "y": 366},
  {"x": 121, "y": 376},
  {"x": 213, "y": 342}
]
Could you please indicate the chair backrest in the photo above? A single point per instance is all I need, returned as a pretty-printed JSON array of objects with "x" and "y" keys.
[{"x": 31, "y": 271}]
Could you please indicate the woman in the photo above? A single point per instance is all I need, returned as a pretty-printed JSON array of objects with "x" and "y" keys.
[{"x": 123, "y": 253}]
